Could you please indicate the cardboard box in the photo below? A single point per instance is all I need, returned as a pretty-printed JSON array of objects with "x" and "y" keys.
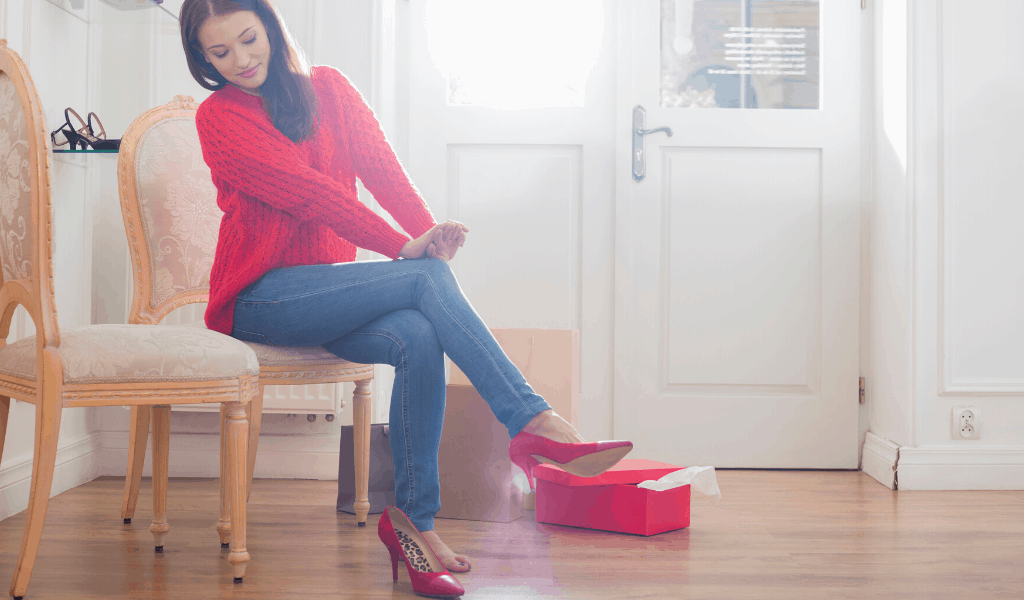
[
  {"x": 473, "y": 463},
  {"x": 612, "y": 501},
  {"x": 550, "y": 361}
]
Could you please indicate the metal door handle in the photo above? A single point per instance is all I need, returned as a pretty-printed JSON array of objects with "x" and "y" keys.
[
  {"x": 639, "y": 131},
  {"x": 667, "y": 130}
]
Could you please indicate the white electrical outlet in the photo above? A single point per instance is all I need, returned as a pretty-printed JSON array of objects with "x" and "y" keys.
[{"x": 966, "y": 423}]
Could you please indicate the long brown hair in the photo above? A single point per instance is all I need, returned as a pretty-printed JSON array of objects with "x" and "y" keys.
[{"x": 288, "y": 94}]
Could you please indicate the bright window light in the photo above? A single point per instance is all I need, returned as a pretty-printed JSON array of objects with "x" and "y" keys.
[{"x": 515, "y": 55}]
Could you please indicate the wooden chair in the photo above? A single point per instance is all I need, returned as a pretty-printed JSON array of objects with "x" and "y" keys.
[
  {"x": 96, "y": 365},
  {"x": 169, "y": 204}
]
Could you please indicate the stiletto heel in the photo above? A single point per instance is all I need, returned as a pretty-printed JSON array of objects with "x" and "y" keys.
[
  {"x": 65, "y": 137},
  {"x": 404, "y": 542},
  {"x": 67, "y": 134},
  {"x": 590, "y": 459},
  {"x": 526, "y": 463},
  {"x": 395, "y": 559}
]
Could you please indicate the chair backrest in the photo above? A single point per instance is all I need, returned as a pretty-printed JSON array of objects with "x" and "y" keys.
[
  {"x": 169, "y": 204},
  {"x": 25, "y": 210}
]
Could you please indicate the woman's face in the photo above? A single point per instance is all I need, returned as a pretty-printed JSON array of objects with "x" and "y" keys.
[{"x": 236, "y": 45}]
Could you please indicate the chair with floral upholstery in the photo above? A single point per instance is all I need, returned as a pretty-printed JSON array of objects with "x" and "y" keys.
[
  {"x": 169, "y": 204},
  {"x": 96, "y": 365}
]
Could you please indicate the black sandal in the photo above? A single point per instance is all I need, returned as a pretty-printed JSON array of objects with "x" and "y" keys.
[{"x": 83, "y": 136}]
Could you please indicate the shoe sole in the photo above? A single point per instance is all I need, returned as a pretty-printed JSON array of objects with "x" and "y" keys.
[{"x": 590, "y": 465}]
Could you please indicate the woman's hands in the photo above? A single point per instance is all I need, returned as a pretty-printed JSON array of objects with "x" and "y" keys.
[
  {"x": 448, "y": 238},
  {"x": 440, "y": 241}
]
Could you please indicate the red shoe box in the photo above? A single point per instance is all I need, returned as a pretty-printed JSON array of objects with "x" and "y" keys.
[{"x": 612, "y": 501}]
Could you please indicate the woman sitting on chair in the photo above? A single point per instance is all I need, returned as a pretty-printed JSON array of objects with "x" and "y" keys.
[{"x": 285, "y": 144}]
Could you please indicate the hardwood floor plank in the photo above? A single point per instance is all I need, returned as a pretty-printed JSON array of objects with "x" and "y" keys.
[{"x": 775, "y": 534}]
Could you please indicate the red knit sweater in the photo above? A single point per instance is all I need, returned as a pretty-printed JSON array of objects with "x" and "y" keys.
[{"x": 288, "y": 204}]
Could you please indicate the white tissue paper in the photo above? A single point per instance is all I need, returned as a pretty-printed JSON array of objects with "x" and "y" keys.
[{"x": 700, "y": 479}]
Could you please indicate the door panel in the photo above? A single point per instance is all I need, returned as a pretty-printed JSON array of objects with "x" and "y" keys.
[
  {"x": 737, "y": 318},
  {"x": 737, "y": 254},
  {"x": 523, "y": 202}
]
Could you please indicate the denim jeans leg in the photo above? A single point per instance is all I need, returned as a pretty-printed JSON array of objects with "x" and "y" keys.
[
  {"x": 406, "y": 340},
  {"x": 316, "y": 304}
]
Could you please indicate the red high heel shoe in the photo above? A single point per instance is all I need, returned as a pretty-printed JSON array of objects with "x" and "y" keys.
[
  {"x": 405, "y": 543},
  {"x": 588, "y": 459}
]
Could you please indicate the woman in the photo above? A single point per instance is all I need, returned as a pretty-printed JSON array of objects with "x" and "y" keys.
[{"x": 284, "y": 144}]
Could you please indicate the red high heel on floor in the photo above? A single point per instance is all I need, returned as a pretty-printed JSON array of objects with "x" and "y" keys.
[
  {"x": 588, "y": 459},
  {"x": 405, "y": 543}
]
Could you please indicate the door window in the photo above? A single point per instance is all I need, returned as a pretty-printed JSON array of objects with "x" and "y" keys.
[
  {"x": 740, "y": 54},
  {"x": 515, "y": 55}
]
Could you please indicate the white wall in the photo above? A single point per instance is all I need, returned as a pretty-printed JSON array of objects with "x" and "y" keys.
[
  {"x": 947, "y": 329},
  {"x": 31, "y": 28}
]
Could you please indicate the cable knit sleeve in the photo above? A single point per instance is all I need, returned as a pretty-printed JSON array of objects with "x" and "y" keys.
[
  {"x": 249, "y": 154},
  {"x": 376, "y": 164}
]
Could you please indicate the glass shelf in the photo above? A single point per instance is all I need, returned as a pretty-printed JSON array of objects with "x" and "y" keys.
[
  {"x": 126, "y": 12},
  {"x": 85, "y": 151}
]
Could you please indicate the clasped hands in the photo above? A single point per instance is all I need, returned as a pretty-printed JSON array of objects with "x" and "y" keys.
[{"x": 440, "y": 241}]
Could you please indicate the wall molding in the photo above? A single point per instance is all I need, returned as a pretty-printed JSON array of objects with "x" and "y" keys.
[
  {"x": 947, "y": 384},
  {"x": 962, "y": 467},
  {"x": 314, "y": 20},
  {"x": 78, "y": 462},
  {"x": 26, "y": 28},
  {"x": 880, "y": 459}
]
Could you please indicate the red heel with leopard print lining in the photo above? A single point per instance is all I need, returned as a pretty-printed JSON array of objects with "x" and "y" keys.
[{"x": 404, "y": 542}]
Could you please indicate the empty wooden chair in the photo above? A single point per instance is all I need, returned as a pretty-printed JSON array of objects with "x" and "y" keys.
[{"x": 97, "y": 365}]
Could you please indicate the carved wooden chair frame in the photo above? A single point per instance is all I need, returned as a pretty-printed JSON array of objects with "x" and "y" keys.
[{"x": 48, "y": 390}]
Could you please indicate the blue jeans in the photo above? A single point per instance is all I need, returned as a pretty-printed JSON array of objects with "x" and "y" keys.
[{"x": 407, "y": 314}]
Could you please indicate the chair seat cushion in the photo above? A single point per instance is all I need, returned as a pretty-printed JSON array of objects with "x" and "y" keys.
[
  {"x": 137, "y": 354},
  {"x": 294, "y": 356},
  {"x": 289, "y": 356}
]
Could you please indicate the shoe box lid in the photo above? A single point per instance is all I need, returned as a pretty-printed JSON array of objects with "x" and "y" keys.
[{"x": 627, "y": 471}]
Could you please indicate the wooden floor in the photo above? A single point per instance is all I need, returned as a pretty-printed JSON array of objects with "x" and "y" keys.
[{"x": 775, "y": 534}]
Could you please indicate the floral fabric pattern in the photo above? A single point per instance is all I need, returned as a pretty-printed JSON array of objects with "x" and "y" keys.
[
  {"x": 195, "y": 213},
  {"x": 178, "y": 204},
  {"x": 136, "y": 354},
  {"x": 15, "y": 198}
]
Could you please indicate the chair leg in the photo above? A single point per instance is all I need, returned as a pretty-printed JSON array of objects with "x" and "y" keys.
[
  {"x": 48, "y": 413},
  {"x": 5, "y": 410},
  {"x": 361, "y": 452},
  {"x": 224, "y": 523},
  {"x": 161, "y": 416},
  {"x": 138, "y": 434},
  {"x": 255, "y": 412},
  {"x": 237, "y": 451}
]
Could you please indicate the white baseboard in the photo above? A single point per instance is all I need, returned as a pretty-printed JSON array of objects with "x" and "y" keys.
[
  {"x": 198, "y": 455},
  {"x": 879, "y": 460},
  {"x": 78, "y": 461},
  {"x": 961, "y": 467},
  {"x": 192, "y": 455}
]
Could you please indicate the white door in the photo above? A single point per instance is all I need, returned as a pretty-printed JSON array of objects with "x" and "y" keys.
[
  {"x": 737, "y": 253},
  {"x": 510, "y": 113}
]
